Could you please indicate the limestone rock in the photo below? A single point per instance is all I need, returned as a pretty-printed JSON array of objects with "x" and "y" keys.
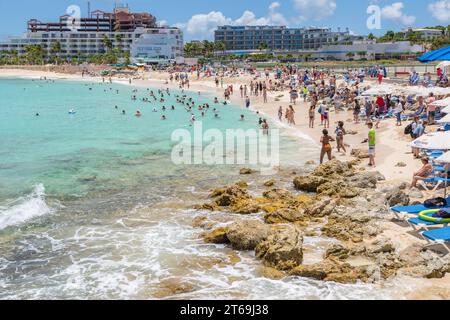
[
  {"x": 269, "y": 183},
  {"x": 360, "y": 153},
  {"x": 284, "y": 216},
  {"x": 330, "y": 270},
  {"x": 246, "y": 235},
  {"x": 333, "y": 167},
  {"x": 217, "y": 236},
  {"x": 321, "y": 208},
  {"x": 308, "y": 183},
  {"x": 397, "y": 197},
  {"x": 246, "y": 171},
  {"x": 282, "y": 249},
  {"x": 337, "y": 251}
]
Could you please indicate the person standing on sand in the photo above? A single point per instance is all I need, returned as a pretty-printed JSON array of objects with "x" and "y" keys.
[
  {"x": 280, "y": 114},
  {"x": 265, "y": 94},
  {"x": 291, "y": 116},
  {"x": 247, "y": 102},
  {"x": 371, "y": 140},
  {"x": 326, "y": 140},
  {"x": 312, "y": 116},
  {"x": 340, "y": 133},
  {"x": 241, "y": 89}
]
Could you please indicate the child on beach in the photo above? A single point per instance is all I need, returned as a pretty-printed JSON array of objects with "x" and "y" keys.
[
  {"x": 326, "y": 146},
  {"x": 340, "y": 132}
]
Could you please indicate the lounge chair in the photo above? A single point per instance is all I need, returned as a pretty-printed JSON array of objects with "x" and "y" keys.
[
  {"x": 435, "y": 182},
  {"x": 416, "y": 209},
  {"x": 442, "y": 234}
]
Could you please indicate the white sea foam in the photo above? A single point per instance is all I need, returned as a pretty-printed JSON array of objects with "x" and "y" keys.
[{"x": 24, "y": 208}]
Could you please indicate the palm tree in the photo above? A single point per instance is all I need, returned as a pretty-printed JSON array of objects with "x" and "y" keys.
[
  {"x": 263, "y": 46},
  {"x": 35, "y": 54},
  {"x": 56, "y": 49},
  {"x": 350, "y": 55},
  {"x": 220, "y": 46},
  {"x": 107, "y": 42}
]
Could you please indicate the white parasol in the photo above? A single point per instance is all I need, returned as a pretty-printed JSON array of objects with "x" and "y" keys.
[
  {"x": 446, "y": 110},
  {"x": 445, "y": 160},
  {"x": 445, "y": 120},
  {"x": 442, "y": 103},
  {"x": 433, "y": 141}
]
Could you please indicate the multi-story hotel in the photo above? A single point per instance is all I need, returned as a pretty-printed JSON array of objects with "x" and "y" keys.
[
  {"x": 135, "y": 33},
  {"x": 278, "y": 38}
]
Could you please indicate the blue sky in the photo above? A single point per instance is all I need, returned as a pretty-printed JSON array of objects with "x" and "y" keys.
[{"x": 199, "y": 17}]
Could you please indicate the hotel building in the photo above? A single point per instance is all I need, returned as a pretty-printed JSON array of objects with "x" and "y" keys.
[
  {"x": 278, "y": 38},
  {"x": 135, "y": 33}
]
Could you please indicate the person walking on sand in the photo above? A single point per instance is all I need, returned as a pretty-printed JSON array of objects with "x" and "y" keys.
[
  {"x": 340, "y": 132},
  {"x": 312, "y": 115},
  {"x": 326, "y": 140},
  {"x": 247, "y": 102},
  {"x": 371, "y": 140},
  {"x": 280, "y": 114}
]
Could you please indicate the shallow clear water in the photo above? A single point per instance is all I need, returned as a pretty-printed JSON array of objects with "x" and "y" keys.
[{"x": 91, "y": 206}]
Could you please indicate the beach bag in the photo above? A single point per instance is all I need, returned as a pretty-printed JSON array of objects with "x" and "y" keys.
[
  {"x": 408, "y": 129},
  {"x": 442, "y": 214},
  {"x": 435, "y": 203},
  {"x": 320, "y": 110}
]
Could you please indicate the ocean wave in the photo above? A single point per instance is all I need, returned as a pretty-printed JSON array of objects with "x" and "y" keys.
[{"x": 24, "y": 208}]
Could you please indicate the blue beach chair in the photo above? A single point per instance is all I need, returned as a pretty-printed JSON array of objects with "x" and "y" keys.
[
  {"x": 416, "y": 209},
  {"x": 442, "y": 235}
]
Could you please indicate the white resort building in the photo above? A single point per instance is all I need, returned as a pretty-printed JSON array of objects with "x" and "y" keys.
[{"x": 134, "y": 33}]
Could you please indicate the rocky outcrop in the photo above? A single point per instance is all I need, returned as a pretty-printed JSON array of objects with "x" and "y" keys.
[
  {"x": 330, "y": 270},
  {"x": 308, "y": 183},
  {"x": 360, "y": 153},
  {"x": 285, "y": 216},
  {"x": 282, "y": 249},
  {"x": 246, "y": 235},
  {"x": 217, "y": 236},
  {"x": 397, "y": 197},
  {"x": 246, "y": 171}
]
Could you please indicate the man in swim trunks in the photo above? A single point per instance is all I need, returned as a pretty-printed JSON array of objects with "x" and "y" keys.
[{"x": 372, "y": 143}]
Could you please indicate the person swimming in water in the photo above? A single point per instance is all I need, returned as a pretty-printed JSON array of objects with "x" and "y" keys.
[
  {"x": 37, "y": 114},
  {"x": 123, "y": 112},
  {"x": 138, "y": 114},
  {"x": 242, "y": 118},
  {"x": 192, "y": 121},
  {"x": 163, "y": 117},
  {"x": 155, "y": 110}
]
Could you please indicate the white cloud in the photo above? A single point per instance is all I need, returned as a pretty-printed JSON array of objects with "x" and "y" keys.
[
  {"x": 440, "y": 10},
  {"x": 315, "y": 9},
  {"x": 203, "y": 25},
  {"x": 395, "y": 12}
]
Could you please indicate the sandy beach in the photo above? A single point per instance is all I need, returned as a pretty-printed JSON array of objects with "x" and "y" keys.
[{"x": 392, "y": 146}]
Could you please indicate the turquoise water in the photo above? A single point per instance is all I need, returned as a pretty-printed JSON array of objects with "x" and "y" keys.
[{"x": 92, "y": 207}]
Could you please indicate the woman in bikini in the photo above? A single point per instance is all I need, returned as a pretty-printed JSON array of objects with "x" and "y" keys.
[{"x": 326, "y": 146}]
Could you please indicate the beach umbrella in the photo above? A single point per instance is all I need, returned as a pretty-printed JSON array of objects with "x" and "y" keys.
[
  {"x": 433, "y": 141},
  {"x": 442, "y": 103},
  {"x": 445, "y": 119},
  {"x": 442, "y": 54},
  {"x": 444, "y": 159},
  {"x": 444, "y": 64},
  {"x": 446, "y": 110}
]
